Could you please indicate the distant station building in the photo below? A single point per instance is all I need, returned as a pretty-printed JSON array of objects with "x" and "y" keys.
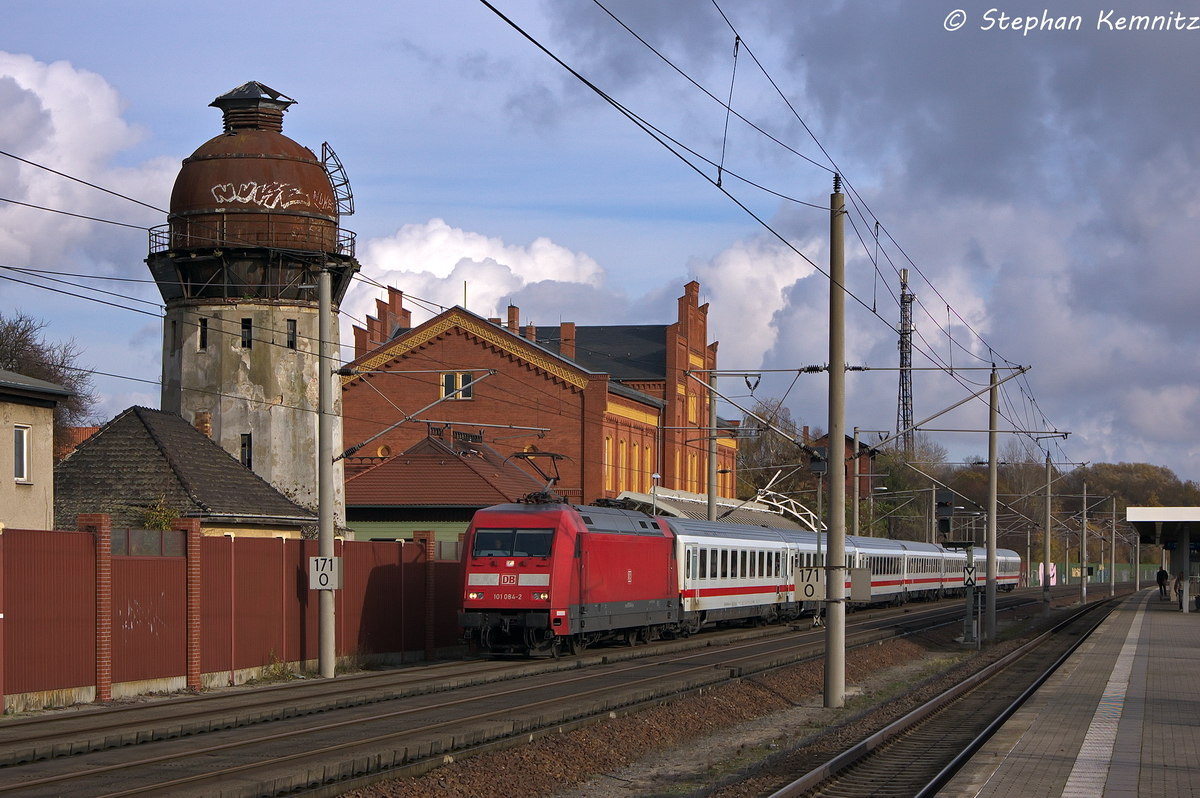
[
  {"x": 254, "y": 219},
  {"x": 620, "y": 402}
]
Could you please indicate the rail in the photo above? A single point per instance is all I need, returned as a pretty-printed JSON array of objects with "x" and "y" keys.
[{"x": 855, "y": 755}]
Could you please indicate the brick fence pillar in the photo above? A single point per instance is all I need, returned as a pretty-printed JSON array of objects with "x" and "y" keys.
[
  {"x": 100, "y": 527},
  {"x": 191, "y": 527},
  {"x": 429, "y": 546}
]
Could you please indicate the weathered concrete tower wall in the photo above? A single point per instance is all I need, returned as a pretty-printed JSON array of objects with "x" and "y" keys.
[{"x": 254, "y": 219}]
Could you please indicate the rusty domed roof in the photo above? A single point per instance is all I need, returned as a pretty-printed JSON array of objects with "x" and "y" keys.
[{"x": 243, "y": 186}]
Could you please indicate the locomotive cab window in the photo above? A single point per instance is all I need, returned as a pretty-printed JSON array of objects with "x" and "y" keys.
[{"x": 512, "y": 542}]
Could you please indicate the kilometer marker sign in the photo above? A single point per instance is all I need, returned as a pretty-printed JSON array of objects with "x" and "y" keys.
[
  {"x": 810, "y": 584},
  {"x": 324, "y": 573}
]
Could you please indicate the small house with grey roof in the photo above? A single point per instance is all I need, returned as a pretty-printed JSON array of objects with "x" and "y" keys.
[
  {"x": 27, "y": 419},
  {"x": 148, "y": 461}
]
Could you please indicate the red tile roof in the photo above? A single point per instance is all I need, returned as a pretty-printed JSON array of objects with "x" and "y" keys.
[{"x": 434, "y": 473}]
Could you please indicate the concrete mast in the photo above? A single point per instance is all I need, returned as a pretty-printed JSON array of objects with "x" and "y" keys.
[
  {"x": 835, "y": 581},
  {"x": 1046, "y": 541},
  {"x": 989, "y": 622}
]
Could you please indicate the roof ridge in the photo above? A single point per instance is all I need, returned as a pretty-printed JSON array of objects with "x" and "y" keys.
[
  {"x": 480, "y": 327},
  {"x": 186, "y": 483},
  {"x": 88, "y": 442},
  {"x": 476, "y": 466}
]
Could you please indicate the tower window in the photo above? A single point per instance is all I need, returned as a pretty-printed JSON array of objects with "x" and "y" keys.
[
  {"x": 203, "y": 334},
  {"x": 291, "y": 333},
  {"x": 247, "y": 333},
  {"x": 247, "y": 457}
]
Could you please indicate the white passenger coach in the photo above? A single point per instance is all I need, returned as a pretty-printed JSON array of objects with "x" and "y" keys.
[{"x": 730, "y": 571}]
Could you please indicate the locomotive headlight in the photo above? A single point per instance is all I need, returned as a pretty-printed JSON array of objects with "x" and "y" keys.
[
  {"x": 474, "y": 595},
  {"x": 541, "y": 596}
]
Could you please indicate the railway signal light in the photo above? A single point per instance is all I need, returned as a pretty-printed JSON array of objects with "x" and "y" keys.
[
  {"x": 944, "y": 510},
  {"x": 818, "y": 460}
]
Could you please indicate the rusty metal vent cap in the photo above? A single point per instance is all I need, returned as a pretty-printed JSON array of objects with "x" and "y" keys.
[{"x": 253, "y": 106}]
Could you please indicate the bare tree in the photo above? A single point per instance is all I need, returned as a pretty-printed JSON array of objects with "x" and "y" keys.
[
  {"x": 762, "y": 452},
  {"x": 24, "y": 350}
]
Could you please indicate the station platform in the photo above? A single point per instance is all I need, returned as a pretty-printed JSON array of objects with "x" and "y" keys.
[{"x": 1121, "y": 718}]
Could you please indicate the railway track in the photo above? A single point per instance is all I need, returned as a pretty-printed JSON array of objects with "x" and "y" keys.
[
  {"x": 272, "y": 743},
  {"x": 917, "y": 754}
]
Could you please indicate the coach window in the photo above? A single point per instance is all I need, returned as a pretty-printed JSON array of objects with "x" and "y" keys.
[
  {"x": 742, "y": 571},
  {"x": 703, "y": 563},
  {"x": 762, "y": 563},
  {"x": 724, "y": 563},
  {"x": 753, "y": 562}
]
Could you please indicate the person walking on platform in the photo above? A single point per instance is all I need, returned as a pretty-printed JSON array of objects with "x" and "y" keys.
[
  {"x": 1178, "y": 588},
  {"x": 1164, "y": 580}
]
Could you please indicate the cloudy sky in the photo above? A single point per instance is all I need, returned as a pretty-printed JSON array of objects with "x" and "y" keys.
[{"x": 1043, "y": 182}]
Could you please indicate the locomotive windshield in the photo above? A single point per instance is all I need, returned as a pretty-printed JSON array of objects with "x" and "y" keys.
[{"x": 512, "y": 542}]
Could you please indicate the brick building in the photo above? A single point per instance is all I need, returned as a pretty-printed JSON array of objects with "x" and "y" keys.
[
  {"x": 616, "y": 400},
  {"x": 866, "y": 464}
]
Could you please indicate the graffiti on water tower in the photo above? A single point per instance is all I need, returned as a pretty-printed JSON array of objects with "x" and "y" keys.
[{"x": 269, "y": 195}]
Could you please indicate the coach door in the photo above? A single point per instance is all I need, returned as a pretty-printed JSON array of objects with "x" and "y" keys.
[{"x": 691, "y": 576}]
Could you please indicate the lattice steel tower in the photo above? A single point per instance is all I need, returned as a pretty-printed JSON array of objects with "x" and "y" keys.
[{"x": 904, "y": 406}]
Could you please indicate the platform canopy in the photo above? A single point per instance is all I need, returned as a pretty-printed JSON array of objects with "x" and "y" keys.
[{"x": 1164, "y": 525}]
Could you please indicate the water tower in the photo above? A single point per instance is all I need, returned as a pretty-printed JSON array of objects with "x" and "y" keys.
[{"x": 253, "y": 221}]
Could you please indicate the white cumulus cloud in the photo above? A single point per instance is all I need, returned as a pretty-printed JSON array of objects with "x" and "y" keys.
[
  {"x": 433, "y": 260},
  {"x": 748, "y": 285},
  {"x": 70, "y": 120}
]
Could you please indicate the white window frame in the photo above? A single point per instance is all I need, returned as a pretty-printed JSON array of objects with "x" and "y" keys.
[{"x": 22, "y": 438}]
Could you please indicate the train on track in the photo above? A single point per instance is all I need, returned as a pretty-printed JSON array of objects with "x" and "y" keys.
[{"x": 556, "y": 578}]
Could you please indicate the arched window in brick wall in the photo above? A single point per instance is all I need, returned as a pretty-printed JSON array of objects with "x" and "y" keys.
[
  {"x": 635, "y": 468},
  {"x": 608, "y": 475},
  {"x": 647, "y": 482},
  {"x": 622, "y": 465}
]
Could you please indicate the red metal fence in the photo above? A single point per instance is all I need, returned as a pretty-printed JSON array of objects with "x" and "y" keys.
[
  {"x": 49, "y": 610},
  {"x": 255, "y": 607}
]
